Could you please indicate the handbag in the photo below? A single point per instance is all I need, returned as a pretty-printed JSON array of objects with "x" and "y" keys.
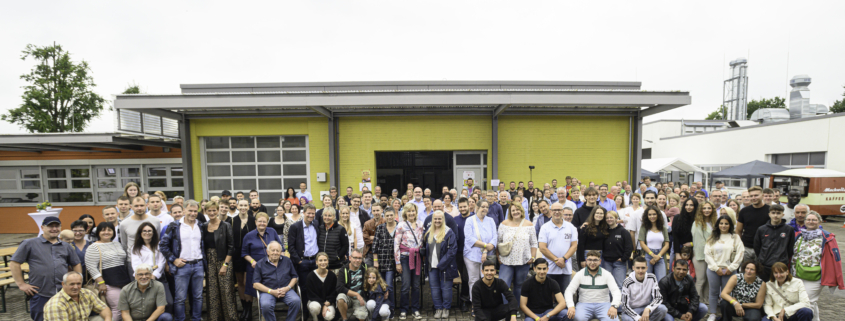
[
  {"x": 809, "y": 273},
  {"x": 505, "y": 247},
  {"x": 91, "y": 286}
]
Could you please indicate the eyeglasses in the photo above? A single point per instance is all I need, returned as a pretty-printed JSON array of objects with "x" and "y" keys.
[{"x": 78, "y": 231}]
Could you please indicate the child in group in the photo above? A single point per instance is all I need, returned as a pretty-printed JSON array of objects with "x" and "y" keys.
[
  {"x": 376, "y": 291},
  {"x": 686, "y": 254}
]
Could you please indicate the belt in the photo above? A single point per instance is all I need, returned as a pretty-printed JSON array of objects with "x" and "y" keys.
[
  {"x": 313, "y": 257},
  {"x": 194, "y": 261}
]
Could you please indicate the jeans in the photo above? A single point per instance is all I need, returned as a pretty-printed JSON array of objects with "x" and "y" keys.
[
  {"x": 803, "y": 314},
  {"x": 729, "y": 311},
  {"x": 409, "y": 278},
  {"x": 589, "y": 311},
  {"x": 36, "y": 307},
  {"x": 702, "y": 311},
  {"x": 164, "y": 317},
  {"x": 388, "y": 278},
  {"x": 517, "y": 274},
  {"x": 441, "y": 290},
  {"x": 169, "y": 307},
  {"x": 717, "y": 283},
  {"x": 267, "y": 302},
  {"x": 559, "y": 317},
  {"x": 658, "y": 313},
  {"x": 189, "y": 276},
  {"x": 561, "y": 279},
  {"x": 619, "y": 270},
  {"x": 658, "y": 269}
]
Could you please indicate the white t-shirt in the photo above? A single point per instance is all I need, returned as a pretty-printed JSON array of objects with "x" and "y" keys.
[
  {"x": 631, "y": 217},
  {"x": 558, "y": 240},
  {"x": 164, "y": 220},
  {"x": 637, "y": 223}
]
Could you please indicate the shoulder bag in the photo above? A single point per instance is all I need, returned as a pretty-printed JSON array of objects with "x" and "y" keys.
[
  {"x": 505, "y": 247},
  {"x": 809, "y": 273},
  {"x": 91, "y": 285}
]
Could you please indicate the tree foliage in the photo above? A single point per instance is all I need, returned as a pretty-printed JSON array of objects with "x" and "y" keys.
[
  {"x": 59, "y": 96},
  {"x": 753, "y": 105},
  {"x": 839, "y": 105},
  {"x": 132, "y": 89},
  {"x": 719, "y": 113}
]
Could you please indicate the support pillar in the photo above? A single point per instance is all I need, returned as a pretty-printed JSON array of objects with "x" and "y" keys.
[
  {"x": 187, "y": 157},
  {"x": 333, "y": 170},
  {"x": 494, "y": 152}
]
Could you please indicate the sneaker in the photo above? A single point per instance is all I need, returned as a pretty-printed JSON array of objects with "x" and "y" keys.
[
  {"x": 445, "y": 314},
  {"x": 402, "y": 316},
  {"x": 712, "y": 317},
  {"x": 437, "y": 314},
  {"x": 417, "y": 315}
]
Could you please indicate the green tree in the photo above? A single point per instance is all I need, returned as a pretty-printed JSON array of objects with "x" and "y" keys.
[
  {"x": 717, "y": 114},
  {"x": 753, "y": 105},
  {"x": 839, "y": 105},
  {"x": 59, "y": 97}
]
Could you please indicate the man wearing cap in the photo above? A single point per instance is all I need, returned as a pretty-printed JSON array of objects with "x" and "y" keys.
[
  {"x": 225, "y": 196},
  {"x": 49, "y": 259}
]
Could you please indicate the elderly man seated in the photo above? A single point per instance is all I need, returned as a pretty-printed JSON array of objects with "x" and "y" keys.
[
  {"x": 274, "y": 278},
  {"x": 143, "y": 299},
  {"x": 73, "y": 303}
]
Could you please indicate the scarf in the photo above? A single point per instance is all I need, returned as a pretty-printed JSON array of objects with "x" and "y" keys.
[{"x": 810, "y": 235}]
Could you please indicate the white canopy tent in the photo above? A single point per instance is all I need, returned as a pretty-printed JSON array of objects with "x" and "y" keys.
[{"x": 669, "y": 165}]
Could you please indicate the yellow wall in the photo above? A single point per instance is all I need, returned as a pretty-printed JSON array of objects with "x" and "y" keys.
[
  {"x": 360, "y": 137},
  {"x": 316, "y": 129},
  {"x": 590, "y": 148}
]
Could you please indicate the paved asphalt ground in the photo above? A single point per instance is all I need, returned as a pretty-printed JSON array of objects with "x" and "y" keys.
[{"x": 831, "y": 305}]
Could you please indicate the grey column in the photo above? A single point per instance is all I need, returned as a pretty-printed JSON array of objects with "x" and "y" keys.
[
  {"x": 333, "y": 179},
  {"x": 494, "y": 152},
  {"x": 187, "y": 157},
  {"x": 637, "y": 149}
]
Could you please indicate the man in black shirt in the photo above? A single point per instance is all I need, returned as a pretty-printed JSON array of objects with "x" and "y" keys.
[
  {"x": 487, "y": 304},
  {"x": 591, "y": 196},
  {"x": 750, "y": 218},
  {"x": 539, "y": 296}
]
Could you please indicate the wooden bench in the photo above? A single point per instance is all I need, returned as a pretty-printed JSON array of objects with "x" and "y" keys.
[{"x": 6, "y": 280}]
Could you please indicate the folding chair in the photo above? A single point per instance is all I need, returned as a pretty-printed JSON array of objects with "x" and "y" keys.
[{"x": 302, "y": 311}]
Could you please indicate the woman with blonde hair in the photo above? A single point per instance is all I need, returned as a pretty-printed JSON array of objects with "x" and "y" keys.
[
  {"x": 353, "y": 233},
  {"x": 520, "y": 233},
  {"x": 439, "y": 250},
  {"x": 702, "y": 228},
  {"x": 729, "y": 212},
  {"x": 408, "y": 238}
]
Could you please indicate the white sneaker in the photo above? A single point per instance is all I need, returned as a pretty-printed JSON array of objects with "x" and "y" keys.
[
  {"x": 417, "y": 315},
  {"x": 712, "y": 317},
  {"x": 402, "y": 316}
]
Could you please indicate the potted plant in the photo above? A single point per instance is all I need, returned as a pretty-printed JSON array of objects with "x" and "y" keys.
[
  {"x": 48, "y": 205},
  {"x": 40, "y": 208}
]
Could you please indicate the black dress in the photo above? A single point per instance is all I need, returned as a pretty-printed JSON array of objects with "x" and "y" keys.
[
  {"x": 238, "y": 234},
  {"x": 280, "y": 228}
]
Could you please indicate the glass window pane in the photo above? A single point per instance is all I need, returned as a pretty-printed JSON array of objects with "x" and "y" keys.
[
  {"x": 269, "y": 170},
  {"x": 8, "y": 174},
  {"x": 31, "y": 184},
  {"x": 293, "y": 141},
  {"x": 107, "y": 183},
  {"x": 467, "y": 159},
  {"x": 269, "y": 183},
  {"x": 21, "y": 198},
  {"x": 176, "y": 171},
  {"x": 219, "y": 184},
  {"x": 269, "y": 156},
  {"x": 60, "y": 184},
  {"x": 171, "y": 194},
  {"x": 244, "y": 184},
  {"x": 240, "y": 157},
  {"x": 70, "y": 197},
  {"x": 130, "y": 172},
  {"x": 293, "y": 155},
  {"x": 800, "y": 159},
  {"x": 817, "y": 158},
  {"x": 79, "y": 172},
  {"x": 157, "y": 182},
  {"x": 781, "y": 159},
  {"x": 177, "y": 182},
  {"x": 56, "y": 173},
  {"x": 219, "y": 170},
  {"x": 123, "y": 182},
  {"x": 78, "y": 183},
  {"x": 268, "y": 142},
  {"x": 108, "y": 196},
  {"x": 270, "y": 198},
  {"x": 243, "y": 142},
  {"x": 217, "y": 157},
  {"x": 216, "y": 142},
  {"x": 243, "y": 170},
  {"x": 293, "y": 182},
  {"x": 157, "y": 171},
  {"x": 107, "y": 172},
  {"x": 295, "y": 170},
  {"x": 30, "y": 173},
  {"x": 10, "y": 184}
]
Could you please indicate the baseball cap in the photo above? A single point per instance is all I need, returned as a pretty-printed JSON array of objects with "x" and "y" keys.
[
  {"x": 51, "y": 219},
  {"x": 226, "y": 193}
]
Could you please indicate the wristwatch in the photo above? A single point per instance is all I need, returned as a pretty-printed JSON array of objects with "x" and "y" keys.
[{"x": 614, "y": 306}]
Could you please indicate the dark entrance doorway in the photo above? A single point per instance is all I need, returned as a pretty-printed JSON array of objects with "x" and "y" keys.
[{"x": 432, "y": 170}]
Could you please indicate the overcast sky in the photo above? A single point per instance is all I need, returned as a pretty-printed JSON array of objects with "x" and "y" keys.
[{"x": 667, "y": 45}]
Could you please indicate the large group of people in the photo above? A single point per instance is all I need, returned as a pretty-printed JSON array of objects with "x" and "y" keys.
[{"x": 576, "y": 251}]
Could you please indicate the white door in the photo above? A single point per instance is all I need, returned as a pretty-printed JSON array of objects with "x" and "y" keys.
[{"x": 470, "y": 165}]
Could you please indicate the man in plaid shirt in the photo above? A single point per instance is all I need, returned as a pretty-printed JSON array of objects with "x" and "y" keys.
[{"x": 73, "y": 303}]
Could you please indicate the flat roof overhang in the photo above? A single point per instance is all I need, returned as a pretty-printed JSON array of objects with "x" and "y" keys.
[{"x": 82, "y": 142}]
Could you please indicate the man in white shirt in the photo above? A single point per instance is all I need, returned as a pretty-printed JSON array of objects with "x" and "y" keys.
[
  {"x": 303, "y": 192},
  {"x": 233, "y": 207},
  {"x": 558, "y": 241},
  {"x": 186, "y": 264},
  {"x": 154, "y": 204},
  {"x": 418, "y": 200},
  {"x": 355, "y": 211},
  {"x": 561, "y": 198}
]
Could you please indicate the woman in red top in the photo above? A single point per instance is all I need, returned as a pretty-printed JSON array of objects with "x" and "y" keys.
[{"x": 290, "y": 195}]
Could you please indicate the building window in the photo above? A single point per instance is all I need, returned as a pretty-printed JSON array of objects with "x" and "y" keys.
[
  {"x": 20, "y": 185},
  {"x": 112, "y": 179},
  {"x": 168, "y": 179},
  {"x": 800, "y": 160},
  {"x": 69, "y": 184},
  {"x": 269, "y": 164}
]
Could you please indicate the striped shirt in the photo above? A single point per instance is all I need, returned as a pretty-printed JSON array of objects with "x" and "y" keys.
[
  {"x": 592, "y": 289},
  {"x": 112, "y": 254}
]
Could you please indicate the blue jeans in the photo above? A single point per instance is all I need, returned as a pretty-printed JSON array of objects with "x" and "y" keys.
[
  {"x": 36, "y": 307},
  {"x": 388, "y": 278},
  {"x": 589, "y": 311},
  {"x": 409, "y": 278},
  {"x": 561, "y": 279},
  {"x": 619, "y": 270},
  {"x": 517, "y": 274},
  {"x": 165, "y": 317},
  {"x": 702, "y": 311},
  {"x": 659, "y": 269},
  {"x": 803, "y": 314},
  {"x": 441, "y": 289},
  {"x": 657, "y": 314},
  {"x": 559, "y": 317},
  {"x": 189, "y": 276},
  {"x": 717, "y": 283},
  {"x": 267, "y": 302}
]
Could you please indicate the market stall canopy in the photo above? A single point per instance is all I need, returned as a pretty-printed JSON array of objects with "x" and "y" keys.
[
  {"x": 811, "y": 172},
  {"x": 753, "y": 169},
  {"x": 653, "y": 176},
  {"x": 669, "y": 165}
]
